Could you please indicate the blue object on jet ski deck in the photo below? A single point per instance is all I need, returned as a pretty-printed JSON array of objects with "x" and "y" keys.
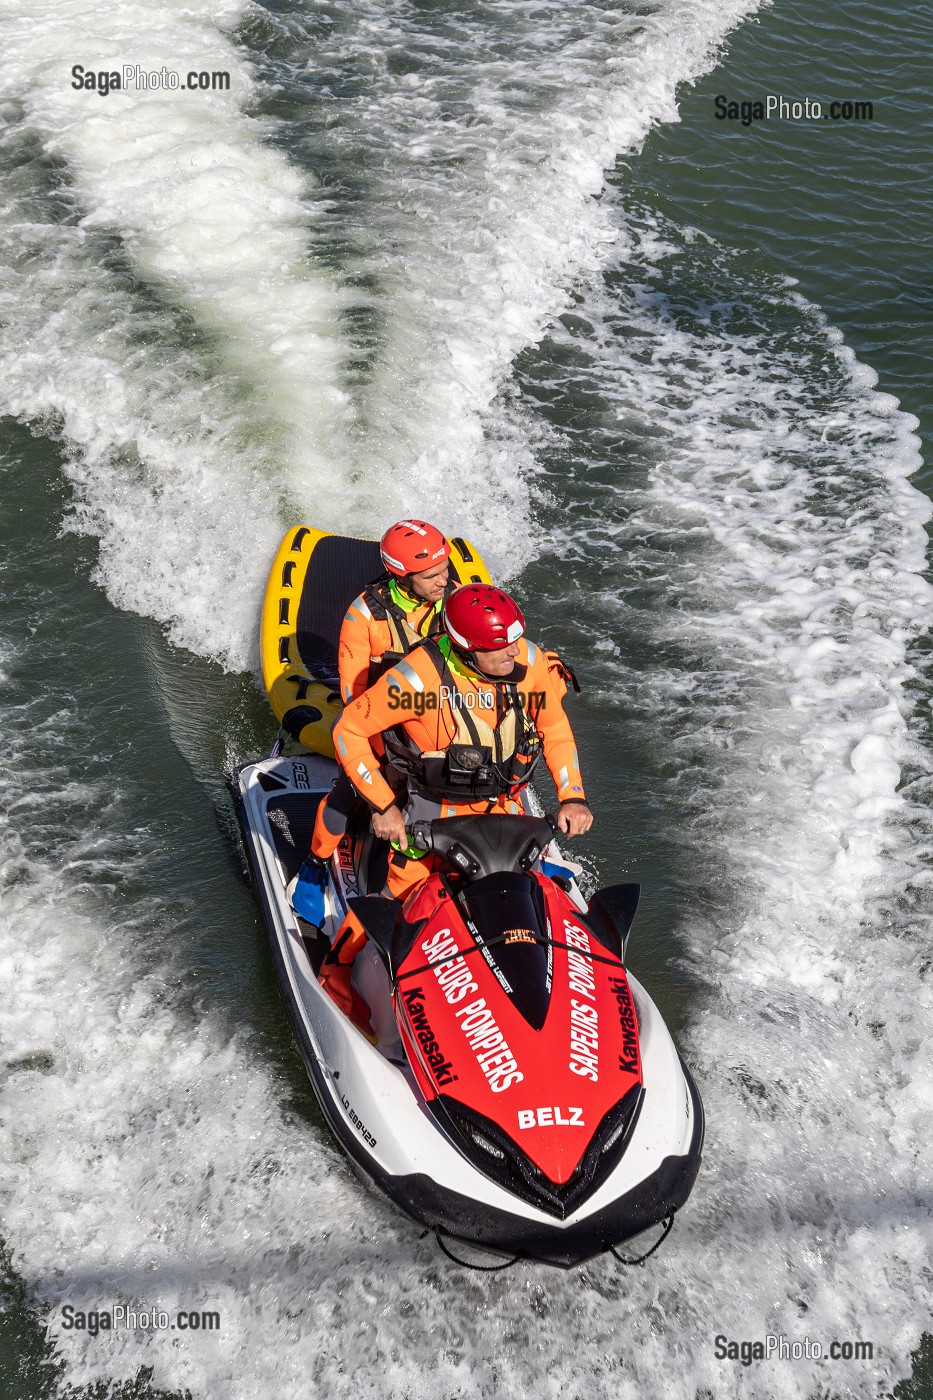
[
  {"x": 307, "y": 896},
  {"x": 553, "y": 869}
]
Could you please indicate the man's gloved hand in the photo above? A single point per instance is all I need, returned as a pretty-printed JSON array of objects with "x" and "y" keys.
[
  {"x": 574, "y": 818},
  {"x": 306, "y": 892}
]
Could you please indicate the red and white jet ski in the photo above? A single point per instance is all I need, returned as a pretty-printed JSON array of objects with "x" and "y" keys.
[{"x": 524, "y": 1094}]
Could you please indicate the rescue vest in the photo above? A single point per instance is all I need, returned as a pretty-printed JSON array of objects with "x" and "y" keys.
[
  {"x": 492, "y": 753},
  {"x": 379, "y": 599}
]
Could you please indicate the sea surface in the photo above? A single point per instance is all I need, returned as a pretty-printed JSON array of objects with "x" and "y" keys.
[{"x": 501, "y": 264}]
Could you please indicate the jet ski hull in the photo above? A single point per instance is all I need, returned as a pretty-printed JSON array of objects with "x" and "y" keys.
[{"x": 371, "y": 1097}]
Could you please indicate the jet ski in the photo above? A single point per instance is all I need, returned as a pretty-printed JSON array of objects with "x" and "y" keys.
[{"x": 519, "y": 1091}]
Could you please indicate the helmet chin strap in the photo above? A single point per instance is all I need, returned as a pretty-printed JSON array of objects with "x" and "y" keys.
[
  {"x": 407, "y": 586},
  {"x": 469, "y": 659},
  {"x": 403, "y": 586}
]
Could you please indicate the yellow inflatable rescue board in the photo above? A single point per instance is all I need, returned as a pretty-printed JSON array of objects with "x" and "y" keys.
[{"x": 314, "y": 578}]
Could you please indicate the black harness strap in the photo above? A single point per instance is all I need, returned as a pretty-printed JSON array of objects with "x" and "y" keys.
[
  {"x": 378, "y": 598},
  {"x": 401, "y": 747}
]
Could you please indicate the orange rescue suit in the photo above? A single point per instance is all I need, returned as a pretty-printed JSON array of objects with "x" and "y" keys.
[
  {"x": 382, "y": 621},
  {"x": 411, "y": 695},
  {"x": 365, "y": 638}
]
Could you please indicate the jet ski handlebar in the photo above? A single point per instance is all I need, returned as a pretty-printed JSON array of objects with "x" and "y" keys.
[{"x": 485, "y": 845}]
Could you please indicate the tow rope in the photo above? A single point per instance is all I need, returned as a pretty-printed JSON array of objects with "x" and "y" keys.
[
  {"x": 507, "y": 1264},
  {"x": 465, "y": 1263},
  {"x": 669, "y": 1225}
]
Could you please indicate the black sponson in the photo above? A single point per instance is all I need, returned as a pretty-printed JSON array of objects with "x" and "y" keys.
[{"x": 338, "y": 571}]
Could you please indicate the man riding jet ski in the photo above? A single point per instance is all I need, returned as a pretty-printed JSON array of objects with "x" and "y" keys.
[
  {"x": 519, "y": 1090},
  {"x": 393, "y": 613},
  {"x": 463, "y": 719}
]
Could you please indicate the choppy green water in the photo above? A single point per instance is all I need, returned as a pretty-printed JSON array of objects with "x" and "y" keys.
[
  {"x": 841, "y": 206},
  {"x": 719, "y": 533}
]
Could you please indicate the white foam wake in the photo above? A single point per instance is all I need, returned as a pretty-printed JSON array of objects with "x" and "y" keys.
[
  {"x": 165, "y": 312},
  {"x": 746, "y": 523},
  {"x": 481, "y": 146},
  {"x": 203, "y": 206},
  {"x": 207, "y": 405}
]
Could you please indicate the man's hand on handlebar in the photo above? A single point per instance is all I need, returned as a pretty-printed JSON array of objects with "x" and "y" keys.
[
  {"x": 390, "y": 825},
  {"x": 573, "y": 818}
]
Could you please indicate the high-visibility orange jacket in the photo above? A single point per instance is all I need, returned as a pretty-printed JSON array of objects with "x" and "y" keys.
[
  {"x": 434, "y": 712},
  {"x": 366, "y": 638}
]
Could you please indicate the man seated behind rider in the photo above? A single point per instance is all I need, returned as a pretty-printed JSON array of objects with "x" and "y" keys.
[
  {"x": 464, "y": 719},
  {"x": 398, "y": 609}
]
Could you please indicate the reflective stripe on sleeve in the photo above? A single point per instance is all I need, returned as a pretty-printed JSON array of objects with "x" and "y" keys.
[{"x": 409, "y": 674}]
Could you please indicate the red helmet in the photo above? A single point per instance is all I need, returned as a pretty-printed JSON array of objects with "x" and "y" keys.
[
  {"x": 482, "y": 618},
  {"x": 412, "y": 546}
]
